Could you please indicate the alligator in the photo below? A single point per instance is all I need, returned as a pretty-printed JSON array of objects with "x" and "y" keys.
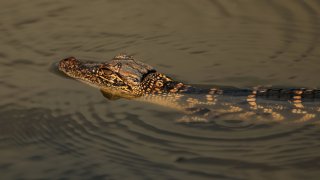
[{"x": 126, "y": 77}]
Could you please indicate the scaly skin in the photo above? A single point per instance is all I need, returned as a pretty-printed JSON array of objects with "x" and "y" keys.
[{"x": 125, "y": 77}]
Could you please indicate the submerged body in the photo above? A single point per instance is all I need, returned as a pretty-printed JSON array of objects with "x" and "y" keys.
[{"x": 125, "y": 77}]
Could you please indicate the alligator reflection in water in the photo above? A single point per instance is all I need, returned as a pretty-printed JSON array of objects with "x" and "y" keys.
[{"x": 125, "y": 77}]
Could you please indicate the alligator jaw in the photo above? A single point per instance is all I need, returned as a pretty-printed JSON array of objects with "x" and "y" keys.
[{"x": 82, "y": 71}]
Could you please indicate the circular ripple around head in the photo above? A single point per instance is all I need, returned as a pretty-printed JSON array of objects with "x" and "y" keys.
[{"x": 125, "y": 133}]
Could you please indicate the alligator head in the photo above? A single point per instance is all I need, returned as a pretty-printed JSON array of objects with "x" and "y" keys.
[{"x": 121, "y": 77}]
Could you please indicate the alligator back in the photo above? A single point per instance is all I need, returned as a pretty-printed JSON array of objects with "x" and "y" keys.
[{"x": 245, "y": 105}]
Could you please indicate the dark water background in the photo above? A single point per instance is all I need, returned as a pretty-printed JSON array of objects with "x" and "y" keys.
[{"x": 55, "y": 128}]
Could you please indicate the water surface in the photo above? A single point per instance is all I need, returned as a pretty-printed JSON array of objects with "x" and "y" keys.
[{"x": 53, "y": 127}]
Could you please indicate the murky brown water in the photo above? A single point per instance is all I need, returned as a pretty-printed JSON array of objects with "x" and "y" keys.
[{"x": 55, "y": 128}]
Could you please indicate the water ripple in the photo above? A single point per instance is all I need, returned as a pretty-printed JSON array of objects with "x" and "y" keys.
[{"x": 57, "y": 127}]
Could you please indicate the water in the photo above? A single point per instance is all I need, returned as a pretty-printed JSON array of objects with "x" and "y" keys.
[{"x": 55, "y": 128}]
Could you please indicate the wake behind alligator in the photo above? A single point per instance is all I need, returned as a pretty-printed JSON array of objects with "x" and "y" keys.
[{"x": 125, "y": 77}]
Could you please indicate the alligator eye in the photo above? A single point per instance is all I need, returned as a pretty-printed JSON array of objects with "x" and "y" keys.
[{"x": 159, "y": 83}]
